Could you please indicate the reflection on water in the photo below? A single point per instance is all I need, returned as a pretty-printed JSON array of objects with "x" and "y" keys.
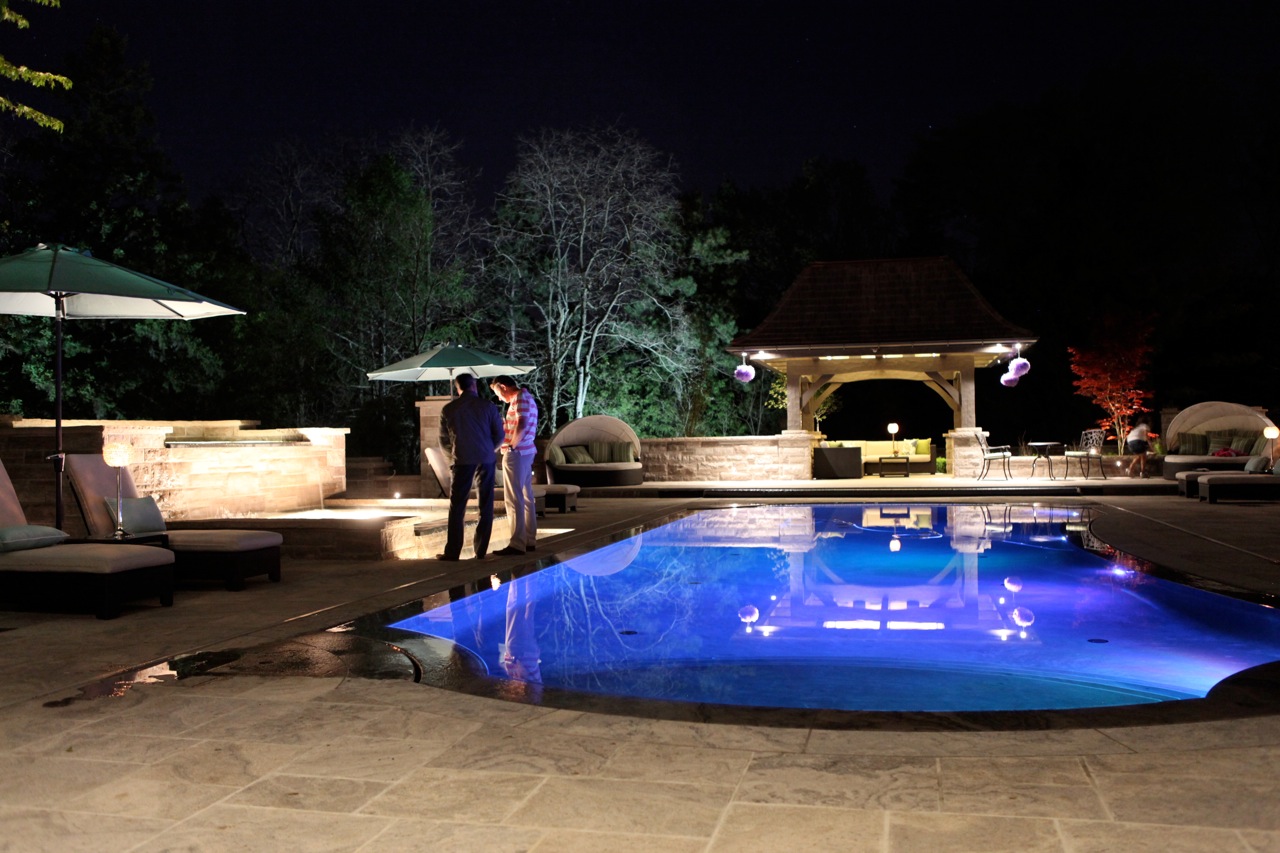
[{"x": 860, "y": 607}]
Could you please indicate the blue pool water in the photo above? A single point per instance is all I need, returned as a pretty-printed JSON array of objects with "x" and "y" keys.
[{"x": 906, "y": 607}]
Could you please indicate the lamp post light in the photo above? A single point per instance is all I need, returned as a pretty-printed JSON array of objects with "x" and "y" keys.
[
  {"x": 117, "y": 454},
  {"x": 1271, "y": 433},
  {"x": 893, "y": 434}
]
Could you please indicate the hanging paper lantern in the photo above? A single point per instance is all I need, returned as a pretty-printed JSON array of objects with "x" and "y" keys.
[
  {"x": 744, "y": 373},
  {"x": 1019, "y": 367},
  {"x": 1023, "y": 617},
  {"x": 749, "y": 614},
  {"x": 1008, "y": 380}
]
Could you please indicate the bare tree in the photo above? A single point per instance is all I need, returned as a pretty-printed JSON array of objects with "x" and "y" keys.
[{"x": 586, "y": 246}]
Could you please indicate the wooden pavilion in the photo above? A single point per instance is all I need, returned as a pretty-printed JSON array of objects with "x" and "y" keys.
[{"x": 918, "y": 319}]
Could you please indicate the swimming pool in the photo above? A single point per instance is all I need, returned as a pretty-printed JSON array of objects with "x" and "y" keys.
[{"x": 858, "y": 607}]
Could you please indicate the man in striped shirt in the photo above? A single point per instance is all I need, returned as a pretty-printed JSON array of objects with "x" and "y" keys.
[{"x": 518, "y": 450}]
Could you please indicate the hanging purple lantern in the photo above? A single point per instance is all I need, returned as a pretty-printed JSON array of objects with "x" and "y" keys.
[
  {"x": 744, "y": 373},
  {"x": 1008, "y": 380},
  {"x": 1019, "y": 367}
]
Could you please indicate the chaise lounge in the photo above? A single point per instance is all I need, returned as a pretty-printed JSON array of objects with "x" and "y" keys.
[
  {"x": 227, "y": 555},
  {"x": 40, "y": 568}
]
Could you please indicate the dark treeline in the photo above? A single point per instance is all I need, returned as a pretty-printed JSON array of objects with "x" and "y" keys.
[{"x": 1145, "y": 194}]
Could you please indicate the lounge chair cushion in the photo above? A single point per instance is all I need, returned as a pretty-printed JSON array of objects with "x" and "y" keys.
[
  {"x": 23, "y": 537},
  {"x": 89, "y": 558},
  {"x": 227, "y": 541},
  {"x": 141, "y": 515},
  {"x": 555, "y": 455}
]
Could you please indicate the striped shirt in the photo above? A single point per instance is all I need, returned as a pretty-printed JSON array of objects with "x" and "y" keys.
[{"x": 522, "y": 422}]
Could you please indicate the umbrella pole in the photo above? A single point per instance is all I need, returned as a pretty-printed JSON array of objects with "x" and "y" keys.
[{"x": 59, "y": 458}]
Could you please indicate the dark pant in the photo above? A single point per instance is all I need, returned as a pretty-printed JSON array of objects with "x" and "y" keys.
[{"x": 464, "y": 477}]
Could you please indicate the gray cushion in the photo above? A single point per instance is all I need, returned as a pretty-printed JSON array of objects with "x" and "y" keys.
[
  {"x": 141, "y": 515},
  {"x": 226, "y": 541},
  {"x": 24, "y": 537},
  {"x": 1256, "y": 465}
]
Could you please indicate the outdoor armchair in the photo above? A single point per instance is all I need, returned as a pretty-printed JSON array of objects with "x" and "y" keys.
[
  {"x": 992, "y": 453},
  {"x": 1087, "y": 452}
]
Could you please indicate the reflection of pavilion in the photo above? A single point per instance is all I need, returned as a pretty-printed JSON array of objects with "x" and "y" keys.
[{"x": 823, "y": 597}]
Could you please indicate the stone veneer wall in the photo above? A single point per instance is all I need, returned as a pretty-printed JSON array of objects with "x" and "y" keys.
[
  {"x": 788, "y": 456},
  {"x": 297, "y": 469}
]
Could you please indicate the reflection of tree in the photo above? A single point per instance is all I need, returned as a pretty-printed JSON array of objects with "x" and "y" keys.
[{"x": 616, "y": 635}]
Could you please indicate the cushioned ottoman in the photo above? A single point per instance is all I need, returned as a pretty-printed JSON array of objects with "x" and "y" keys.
[{"x": 563, "y": 496}]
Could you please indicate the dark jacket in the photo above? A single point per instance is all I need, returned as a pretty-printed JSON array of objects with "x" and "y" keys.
[{"x": 470, "y": 430}]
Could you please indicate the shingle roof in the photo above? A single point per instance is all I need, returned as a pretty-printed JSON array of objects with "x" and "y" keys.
[{"x": 860, "y": 305}]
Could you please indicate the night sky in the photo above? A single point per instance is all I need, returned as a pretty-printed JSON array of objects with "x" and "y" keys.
[{"x": 742, "y": 91}]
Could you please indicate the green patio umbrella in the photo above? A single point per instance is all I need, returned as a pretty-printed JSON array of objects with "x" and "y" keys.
[
  {"x": 70, "y": 284},
  {"x": 446, "y": 361}
]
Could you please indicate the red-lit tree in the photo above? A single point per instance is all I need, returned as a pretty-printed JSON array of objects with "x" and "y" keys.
[{"x": 1113, "y": 374}]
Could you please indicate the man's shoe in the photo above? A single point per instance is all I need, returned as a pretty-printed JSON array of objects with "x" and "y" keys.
[
  {"x": 509, "y": 552},
  {"x": 447, "y": 558}
]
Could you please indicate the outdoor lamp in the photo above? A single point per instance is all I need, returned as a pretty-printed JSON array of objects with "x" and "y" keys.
[
  {"x": 116, "y": 454},
  {"x": 895, "y": 544},
  {"x": 893, "y": 434}
]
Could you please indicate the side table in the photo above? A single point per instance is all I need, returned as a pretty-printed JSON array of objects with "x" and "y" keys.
[
  {"x": 905, "y": 461},
  {"x": 1041, "y": 450}
]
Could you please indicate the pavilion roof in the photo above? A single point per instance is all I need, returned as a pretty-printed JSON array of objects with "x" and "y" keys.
[{"x": 891, "y": 305}]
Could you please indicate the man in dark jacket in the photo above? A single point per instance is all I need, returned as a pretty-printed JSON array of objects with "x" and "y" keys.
[{"x": 470, "y": 432}]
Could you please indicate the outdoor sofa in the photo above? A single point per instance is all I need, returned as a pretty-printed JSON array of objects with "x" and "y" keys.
[
  {"x": 920, "y": 452},
  {"x": 40, "y": 567}
]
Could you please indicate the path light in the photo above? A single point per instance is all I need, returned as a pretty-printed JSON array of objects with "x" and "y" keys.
[
  {"x": 116, "y": 454},
  {"x": 893, "y": 434}
]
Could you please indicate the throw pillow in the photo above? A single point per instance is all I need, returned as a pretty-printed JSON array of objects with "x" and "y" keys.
[
  {"x": 1244, "y": 443},
  {"x": 1259, "y": 446},
  {"x": 622, "y": 451},
  {"x": 1193, "y": 444},
  {"x": 23, "y": 537},
  {"x": 1256, "y": 465},
  {"x": 1219, "y": 440},
  {"x": 141, "y": 515},
  {"x": 555, "y": 455},
  {"x": 922, "y": 446},
  {"x": 578, "y": 455}
]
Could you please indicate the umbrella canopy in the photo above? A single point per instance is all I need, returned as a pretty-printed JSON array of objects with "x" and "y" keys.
[
  {"x": 446, "y": 361},
  {"x": 69, "y": 284}
]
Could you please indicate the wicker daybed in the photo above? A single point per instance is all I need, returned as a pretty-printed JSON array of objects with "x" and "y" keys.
[{"x": 598, "y": 450}]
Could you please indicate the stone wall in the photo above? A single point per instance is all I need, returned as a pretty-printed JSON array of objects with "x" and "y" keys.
[
  {"x": 788, "y": 456},
  {"x": 194, "y": 469}
]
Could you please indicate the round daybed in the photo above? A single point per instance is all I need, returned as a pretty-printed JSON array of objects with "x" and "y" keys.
[
  {"x": 1200, "y": 436},
  {"x": 598, "y": 450}
]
